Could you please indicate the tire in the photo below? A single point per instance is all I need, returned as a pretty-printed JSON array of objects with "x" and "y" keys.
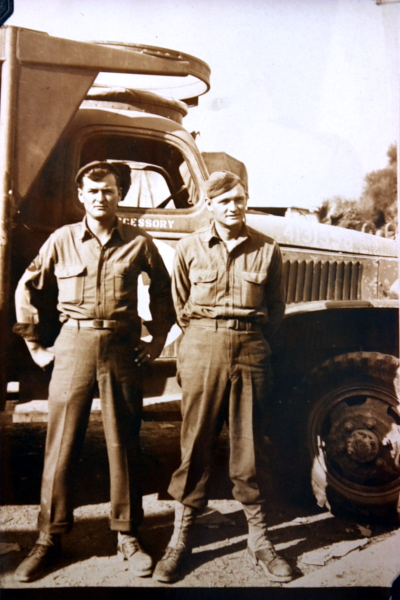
[{"x": 352, "y": 429}]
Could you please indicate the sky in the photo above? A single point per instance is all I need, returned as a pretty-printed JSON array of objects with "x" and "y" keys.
[{"x": 304, "y": 92}]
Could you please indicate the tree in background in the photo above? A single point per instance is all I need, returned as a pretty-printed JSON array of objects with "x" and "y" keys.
[
  {"x": 342, "y": 213},
  {"x": 378, "y": 201},
  {"x": 376, "y": 210}
]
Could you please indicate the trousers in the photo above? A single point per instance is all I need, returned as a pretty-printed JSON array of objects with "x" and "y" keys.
[
  {"x": 225, "y": 375},
  {"x": 82, "y": 358}
]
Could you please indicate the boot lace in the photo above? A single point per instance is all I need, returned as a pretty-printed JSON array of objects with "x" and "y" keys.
[{"x": 130, "y": 546}]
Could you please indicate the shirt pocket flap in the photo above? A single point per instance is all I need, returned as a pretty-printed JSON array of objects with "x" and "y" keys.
[
  {"x": 69, "y": 271},
  {"x": 254, "y": 277},
  {"x": 203, "y": 275},
  {"x": 121, "y": 269}
]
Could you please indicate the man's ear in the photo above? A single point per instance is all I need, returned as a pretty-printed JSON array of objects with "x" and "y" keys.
[
  {"x": 209, "y": 204},
  {"x": 80, "y": 195}
]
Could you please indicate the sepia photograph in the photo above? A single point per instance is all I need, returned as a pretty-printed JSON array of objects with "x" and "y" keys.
[{"x": 199, "y": 286}]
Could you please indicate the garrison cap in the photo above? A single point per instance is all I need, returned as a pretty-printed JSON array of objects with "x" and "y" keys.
[
  {"x": 120, "y": 169},
  {"x": 220, "y": 182}
]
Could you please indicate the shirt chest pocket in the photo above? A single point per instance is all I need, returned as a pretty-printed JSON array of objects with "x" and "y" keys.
[
  {"x": 203, "y": 286},
  {"x": 122, "y": 276},
  {"x": 252, "y": 288},
  {"x": 70, "y": 280}
]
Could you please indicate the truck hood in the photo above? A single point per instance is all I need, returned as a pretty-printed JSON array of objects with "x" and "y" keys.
[{"x": 303, "y": 234}]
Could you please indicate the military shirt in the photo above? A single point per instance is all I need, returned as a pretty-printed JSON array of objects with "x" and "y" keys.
[
  {"x": 94, "y": 281},
  {"x": 209, "y": 281}
]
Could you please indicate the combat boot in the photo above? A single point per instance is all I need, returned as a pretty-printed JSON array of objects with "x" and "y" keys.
[
  {"x": 259, "y": 547},
  {"x": 130, "y": 549},
  {"x": 168, "y": 568},
  {"x": 43, "y": 555}
]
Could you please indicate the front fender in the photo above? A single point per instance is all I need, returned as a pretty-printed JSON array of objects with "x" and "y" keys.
[{"x": 321, "y": 305}]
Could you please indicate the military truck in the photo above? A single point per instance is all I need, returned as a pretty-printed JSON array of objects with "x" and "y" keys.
[{"x": 335, "y": 405}]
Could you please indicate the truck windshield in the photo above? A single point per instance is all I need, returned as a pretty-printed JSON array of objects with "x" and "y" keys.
[{"x": 160, "y": 176}]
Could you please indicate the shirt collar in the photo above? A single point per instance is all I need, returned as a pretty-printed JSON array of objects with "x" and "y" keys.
[
  {"x": 86, "y": 233},
  {"x": 211, "y": 233}
]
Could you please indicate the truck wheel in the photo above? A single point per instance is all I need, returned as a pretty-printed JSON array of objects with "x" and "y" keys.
[{"x": 353, "y": 433}]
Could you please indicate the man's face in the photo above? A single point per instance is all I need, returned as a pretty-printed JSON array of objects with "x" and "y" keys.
[
  {"x": 100, "y": 198},
  {"x": 229, "y": 208}
]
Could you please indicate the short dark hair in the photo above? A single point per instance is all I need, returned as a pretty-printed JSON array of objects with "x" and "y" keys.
[{"x": 97, "y": 172}]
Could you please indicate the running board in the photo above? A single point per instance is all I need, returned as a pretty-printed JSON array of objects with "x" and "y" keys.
[{"x": 157, "y": 408}]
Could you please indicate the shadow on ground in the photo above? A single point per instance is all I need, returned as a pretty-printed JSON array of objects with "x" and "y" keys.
[{"x": 294, "y": 529}]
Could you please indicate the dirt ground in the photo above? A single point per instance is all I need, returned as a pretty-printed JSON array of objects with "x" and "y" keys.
[{"x": 326, "y": 553}]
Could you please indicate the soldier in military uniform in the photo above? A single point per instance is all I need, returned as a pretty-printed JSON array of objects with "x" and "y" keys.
[
  {"x": 229, "y": 299},
  {"x": 95, "y": 265}
]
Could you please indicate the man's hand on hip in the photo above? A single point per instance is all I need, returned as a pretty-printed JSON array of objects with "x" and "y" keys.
[{"x": 40, "y": 355}]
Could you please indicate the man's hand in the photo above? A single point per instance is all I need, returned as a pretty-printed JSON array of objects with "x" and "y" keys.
[
  {"x": 40, "y": 355},
  {"x": 149, "y": 351}
]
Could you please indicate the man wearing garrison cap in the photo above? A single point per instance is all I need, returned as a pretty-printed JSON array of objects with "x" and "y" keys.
[
  {"x": 95, "y": 265},
  {"x": 229, "y": 299}
]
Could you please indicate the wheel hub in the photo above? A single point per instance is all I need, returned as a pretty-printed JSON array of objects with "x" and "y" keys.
[
  {"x": 354, "y": 441},
  {"x": 362, "y": 445}
]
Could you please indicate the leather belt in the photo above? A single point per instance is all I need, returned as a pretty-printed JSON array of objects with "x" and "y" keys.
[
  {"x": 97, "y": 324},
  {"x": 236, "y": 324}
]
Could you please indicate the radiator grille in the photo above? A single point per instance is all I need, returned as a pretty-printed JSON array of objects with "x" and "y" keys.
[{"x": 308, "y": 280}]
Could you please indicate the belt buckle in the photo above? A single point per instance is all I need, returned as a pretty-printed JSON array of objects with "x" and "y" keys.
[
  {"x": 232, "y": 323},
  {"x": 98, "y": 323}
]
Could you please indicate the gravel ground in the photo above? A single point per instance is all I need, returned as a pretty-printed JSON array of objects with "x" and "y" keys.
[{"x": 325, "y": 552}]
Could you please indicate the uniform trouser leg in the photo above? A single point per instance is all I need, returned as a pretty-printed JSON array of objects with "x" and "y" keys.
[
  {"x": 70, "y": 397},
  {"x": 120, "y": 385},
  {"x": 216, "y": 369},
  {"x": 204, "y": 377},
  {"x": 81, "y": 357},
  {"x": 248, "y": 411},
  {"x": 247, "y": 422}
]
